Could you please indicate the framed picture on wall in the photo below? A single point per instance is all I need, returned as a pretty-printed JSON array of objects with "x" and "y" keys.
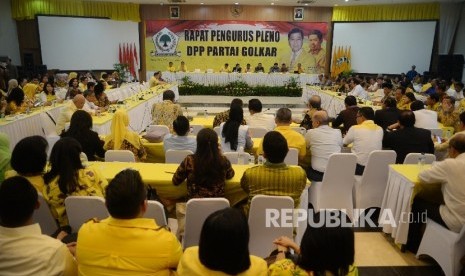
[
  {"x": 174, "y": 12},
  {"x": 298, "y": 14}
]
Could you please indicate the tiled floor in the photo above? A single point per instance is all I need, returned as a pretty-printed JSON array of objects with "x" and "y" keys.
[{"x": 377, "y": 254}]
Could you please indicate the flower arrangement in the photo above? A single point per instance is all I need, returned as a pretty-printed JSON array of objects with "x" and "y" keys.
[{"x": 240, "y": 88}]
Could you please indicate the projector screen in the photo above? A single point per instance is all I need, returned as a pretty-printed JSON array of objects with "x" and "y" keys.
[
  {"x": 77, "y": 43},
  {"x": 387, "y": 47}
]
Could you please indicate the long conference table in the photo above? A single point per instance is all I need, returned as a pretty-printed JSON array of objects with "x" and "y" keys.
[
  {"x": 159, "y": 176},
  {"x": 252, "y": 79},
  {"x": 139, "y": 111}
]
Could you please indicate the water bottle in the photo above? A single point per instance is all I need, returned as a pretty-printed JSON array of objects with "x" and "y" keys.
[
  {"x": 261, "y": 160},
  {"x": 421, "y": 161},
  {"x": 205, "y": 114},
  {"x": 240, "y": 156},
  {"x": 251, "y": 159}
]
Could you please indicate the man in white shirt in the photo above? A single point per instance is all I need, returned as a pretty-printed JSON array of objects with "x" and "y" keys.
[
  {"x": 89, "y": 105},
  {"x": 24, "y": 249},
  {"x": 358, "y": 90},
  {"x": 67, "y": 111},
  {"x": 373, "y": 85},
  {"x": 366, "y": 137},
  {"x": 180, "y": 141},
  {"x": 456, "y": 91},
  {"x": 424, "y": 118},
  {"x": 450, "y": 213},
  {"x": 322, "y": 140},
  {"x": 257, "y": 118}
]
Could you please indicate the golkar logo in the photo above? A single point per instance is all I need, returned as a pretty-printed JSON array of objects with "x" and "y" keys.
[{"x": 165, "y": 42}]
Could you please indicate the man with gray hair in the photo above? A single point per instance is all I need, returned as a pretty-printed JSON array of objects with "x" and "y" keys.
[
  {"x": 67, "y": 111},
  {"x": 322, "y": 140},
  {"x": 294, "y": 139}
]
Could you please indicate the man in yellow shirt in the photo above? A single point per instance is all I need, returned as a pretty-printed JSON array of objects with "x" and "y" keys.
[
  {"x": 432, "y": 102},
  {"x": 171, "y": 68},
  {"x": 294, "y": 139},
  {"x": 297, "y": 55},
  {"x": 225, "y": 68},
  {"x": 319, "y": 54},
  {"x": 182, "y": 67},
  {"x": 126, "y": 243}
]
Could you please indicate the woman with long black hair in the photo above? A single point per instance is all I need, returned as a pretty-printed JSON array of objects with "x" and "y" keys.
[{"x": 233, "y": 134}]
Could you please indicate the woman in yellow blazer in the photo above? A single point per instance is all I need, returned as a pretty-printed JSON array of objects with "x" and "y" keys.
[
  {"x": 223, "y": 248},
  {"x": 68, "y": 177}
]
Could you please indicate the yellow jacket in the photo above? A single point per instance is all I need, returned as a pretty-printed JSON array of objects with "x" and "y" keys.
[
  {"x": 126, "y": 247},
  {"x": 190, "y": 265},
  {"x": 91, "y": 183}
]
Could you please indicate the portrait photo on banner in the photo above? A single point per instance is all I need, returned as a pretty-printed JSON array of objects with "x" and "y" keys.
[
  {"x": 298, "y": 14},
  {"x": 209, "y": 45},
  {"x": 174, "y": 12}
]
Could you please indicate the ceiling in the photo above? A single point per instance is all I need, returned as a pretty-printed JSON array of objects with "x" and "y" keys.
[{"x": 315, "y": 3}]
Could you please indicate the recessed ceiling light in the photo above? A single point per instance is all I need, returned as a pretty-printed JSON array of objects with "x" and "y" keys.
[
  {"x": 236, "y": 3},
  {"x": 306, "y": 4},
  {"x": 272, "y": 3},
  {"x": 201, "y": 3},
  {"x": 347, "y": 0}
]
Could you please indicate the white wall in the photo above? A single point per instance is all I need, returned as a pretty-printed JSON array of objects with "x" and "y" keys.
[
  {"x": 9, "y": 45},
  {"x": 459, "y": 48}
]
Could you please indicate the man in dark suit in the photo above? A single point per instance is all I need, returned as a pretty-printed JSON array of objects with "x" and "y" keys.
[
  {"x": 388, "y": 115},
  {"x": 408, "y": 138},
  {"x": 348, "y": 116}
]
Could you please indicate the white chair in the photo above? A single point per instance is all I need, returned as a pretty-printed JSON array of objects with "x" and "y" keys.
[
  {"x": 83, "y": 208},
  {"x": 197, "y": 211},
  {"x": 300, "y": 130},
  {"x": 412, "y": 158},
  {"x": 257, "y": 132},
  {"x": 43, "y": 216},
  {"x": 292, "y": 157},
  {"x": 176, "y": 156},
  {"x": 262, "y": 228},
  {"x": 335, "y": 191},
  {"x": 195, "y": 129},
  {"x": 156, "y": 211},
  {"x": 233, "y": 157},
  {"x": 161, "y": 129},
  {"x": 444, "y": 246},
  {"x": 300, "y": 223},
  {"x": 119, "y": 156},
  {"x": 49, "y": 130},
  {"x": 217, "y": 130},
  {"x": 369, "y": 188}
]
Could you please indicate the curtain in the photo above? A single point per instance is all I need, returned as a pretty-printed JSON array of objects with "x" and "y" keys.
[
  {"x": 28, "y": 9},
  {"x": 450, "y": 16},
  {"x": 387, "y": 12}
]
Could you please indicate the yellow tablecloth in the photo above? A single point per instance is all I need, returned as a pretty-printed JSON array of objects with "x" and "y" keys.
[
  {"x": 206, "y": 122},
  {"x": 402, "y": 186},
  {"x": 159, "y": 176},
  {"x": 156, "y": 154}
]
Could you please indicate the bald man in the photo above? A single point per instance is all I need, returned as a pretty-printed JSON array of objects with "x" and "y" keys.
[
  {"x": 67, "y": 111},
  {"x": 322, "y": 141}
]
